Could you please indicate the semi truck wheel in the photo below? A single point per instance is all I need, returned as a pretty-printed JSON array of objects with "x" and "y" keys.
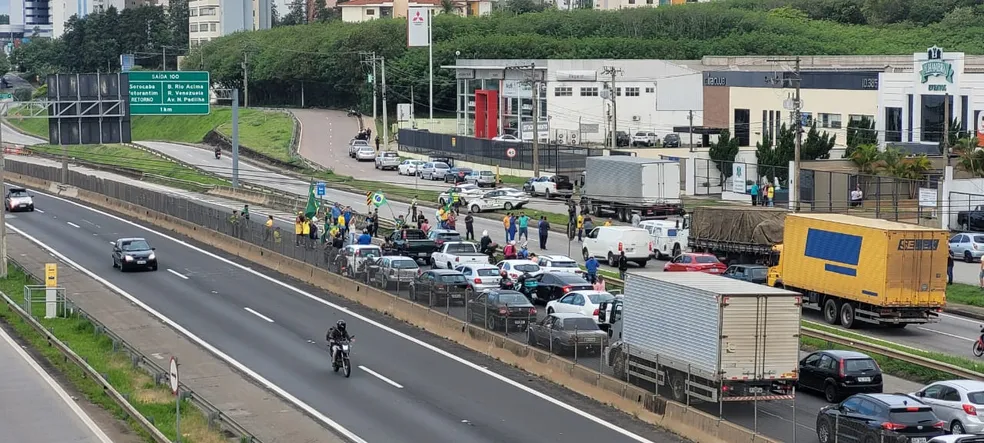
[
  {"x": 678, "y": 386},
  {"x": 618, "y": 364},
  {"x": 831, "y": 311},
  {"x": 847, "y": 316}
]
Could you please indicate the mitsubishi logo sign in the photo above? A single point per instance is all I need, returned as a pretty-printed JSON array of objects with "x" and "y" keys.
[{"x": 417, "y": 18}]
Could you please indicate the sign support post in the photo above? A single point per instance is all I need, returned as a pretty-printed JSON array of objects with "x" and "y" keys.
[
  {"x": 173, "y": 379},
  {"x": 50, "y": 291}
]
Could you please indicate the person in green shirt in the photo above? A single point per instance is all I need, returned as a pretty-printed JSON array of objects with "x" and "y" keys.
[{"x": 523, "y": 221}]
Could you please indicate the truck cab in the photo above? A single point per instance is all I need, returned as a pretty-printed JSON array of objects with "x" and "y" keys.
[
  {"x": 669, "y": 237},
  {"x": 609, "y": 314}
]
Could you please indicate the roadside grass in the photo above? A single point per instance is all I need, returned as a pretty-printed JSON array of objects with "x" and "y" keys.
[
  {"x": 266, "y": 132},
  {"x": 132, "y": 158},
  {"x": 962, "y": 294},
  {"x": 153, "y": 401}
]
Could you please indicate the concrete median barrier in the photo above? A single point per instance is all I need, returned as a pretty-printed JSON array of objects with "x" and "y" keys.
[{"x": 513, "y": 350}]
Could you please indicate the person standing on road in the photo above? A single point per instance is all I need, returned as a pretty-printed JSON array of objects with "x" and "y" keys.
[
  {"x": 770, "y": 196},
  {"x": 982, "y": 274},
  {"x": 636, "y": 219},
  {"x": 234, "y": 221},
  {"x": 755, "y": 193},
  {"x": 298, "y": 228},
  {"x": 306, "y": 232},
  {"x": 591, "y": 265},
  {"x": 544, "y": 228},
  {"x": 949, "y": 268},
  {"x": 588, "y": 225},
  {"x": 377, "y": 144},
  {"x": 580, "y": 227},
  {"x": 268, "y": 231},
  {"x": 375, "y": 223},
  {"x": 524, "y": 223},
  {"x": 623, "y": 265},
  {"x": 246, "y": 212},
  {"x": 469, "y": 227},
  {"x": 506, "y": 223}
]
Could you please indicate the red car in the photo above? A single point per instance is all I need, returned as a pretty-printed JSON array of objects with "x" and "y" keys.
[{"x": 691, "y": 262}]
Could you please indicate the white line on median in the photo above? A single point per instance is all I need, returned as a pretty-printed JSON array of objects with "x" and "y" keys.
[
  {"x": 177, "y": 273},
  {"x": 38, "y": 210},
  {"x": 947, "y": 334},
  {"x": 73, "y": 225},
  {"x": 377, "y": 375},
  {"x": 961, "y": 318},
  {"x": 268, "y": 319}
]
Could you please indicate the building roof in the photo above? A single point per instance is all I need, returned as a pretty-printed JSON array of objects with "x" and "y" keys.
[{"x": 364, "y": 3}]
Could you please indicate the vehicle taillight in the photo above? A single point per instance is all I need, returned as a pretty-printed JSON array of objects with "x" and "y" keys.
[
  {"x": 567, "y": 288},
  {"x": 939, "y": 425},
  {"x": 970, "y": 409},
  {"x": 457, "y": 259},
  {"x": 619, "y": 246},
  {"x": 893, "y": 426},
  {"x": 478, "y": 281},
  {"x": 532, "y": 312},
  {"x": 503, "y": 311},
  {"x": 840, "y": 368},
  {"x": 596, "y": 311}
]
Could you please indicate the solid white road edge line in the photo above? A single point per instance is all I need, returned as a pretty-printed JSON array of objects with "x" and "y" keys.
[
  {"x": 177, "y": 273},
  {"x": 73, "y": 225},
  {"x": 947, "y": 334},
  {"x": 377, "y": 375},
  {"x": 38, "y": 210},
  {"x": 957, "y": 317},
  {"x": 57, "y": 388},
  {"x": 316, "y": 299},
  {"x": 251, "y": 311}
]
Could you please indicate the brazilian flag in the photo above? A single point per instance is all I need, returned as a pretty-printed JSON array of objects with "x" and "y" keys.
[
  {"x": 313, "y": 202},
  {"x": 376, "y": 199}
]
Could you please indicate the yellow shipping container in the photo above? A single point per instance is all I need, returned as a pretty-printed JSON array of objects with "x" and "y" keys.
[{"x": 876, "y": 263}]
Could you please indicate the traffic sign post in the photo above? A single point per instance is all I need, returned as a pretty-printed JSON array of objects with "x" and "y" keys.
[
  {"x": 173, "y": 379},
  {"x": 169, "y": 92},
  {"x": 320, "y": 189},
  {"x": 511, "y": 152},
  {"x": 50, "y": 290}
]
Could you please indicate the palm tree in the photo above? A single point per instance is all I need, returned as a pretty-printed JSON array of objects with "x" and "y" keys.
[
  {"x": 866, "y": 158},
  {"x": 449, "y": 6},
  {"x": 971, "y": 156}
]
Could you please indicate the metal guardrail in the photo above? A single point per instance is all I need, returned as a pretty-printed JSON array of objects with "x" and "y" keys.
[{"x": 215, "y": 416}]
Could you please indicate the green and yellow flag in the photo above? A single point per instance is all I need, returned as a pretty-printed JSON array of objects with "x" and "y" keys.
[
  {"x": 313, "y": 202},
  {"x": 376, "y": 199}
]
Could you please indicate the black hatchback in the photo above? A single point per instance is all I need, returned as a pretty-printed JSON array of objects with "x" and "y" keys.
[
  {"x": 878, "y": 418},
  {"x": 838, "y": 374}
]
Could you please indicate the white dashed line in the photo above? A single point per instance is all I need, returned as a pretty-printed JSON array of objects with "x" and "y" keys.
[
  {"x": 73, "y": 225},
  {"x": 268, "y": 319},
  {"x": 38, "y": 210},
  {"x": 377, "y": 375},
  {"x": 177, "y": 273}
]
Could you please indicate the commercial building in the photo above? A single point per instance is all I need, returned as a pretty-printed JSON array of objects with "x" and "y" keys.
[
  {"x": 211, "y": 19},
  {"x": 62, "y": 10},
  {"x": 575, "y": 102},
  {"x": 31, "y": 17}
]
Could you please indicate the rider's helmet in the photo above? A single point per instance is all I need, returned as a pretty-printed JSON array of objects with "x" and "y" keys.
[{"x": 340, "y": 325}]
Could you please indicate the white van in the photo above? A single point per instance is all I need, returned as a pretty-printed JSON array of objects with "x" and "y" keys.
[
  {"x": 605, "y": 242},
  {"x": 669, "y": 240}
]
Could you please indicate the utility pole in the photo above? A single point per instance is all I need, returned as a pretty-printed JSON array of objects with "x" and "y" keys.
[
  {"x": 613, "y": 71},
  {"x": 798, "y": 126},
  {"x": 164, "y": 59},
  {"x": 3, "y": 221},
  {"x": 382, "y": 67},
  {"x": 245, "y": 79},
  {"x": 534, "y": 81},
  {"x": 235, "y": 138},
  {"x": 946, "y": 128},
  {"x": 690, "y": 117},
  {"x": 375, "y": 93}
]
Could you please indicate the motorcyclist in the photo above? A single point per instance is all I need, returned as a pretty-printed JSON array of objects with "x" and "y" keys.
[
  {"x": 485, "y": 242},
  {"x": 335, "y": 335},
  {"x": 218, "y": 152},
  {"x": 505, "y": 282},
  {"x": 526, "y": 283}
]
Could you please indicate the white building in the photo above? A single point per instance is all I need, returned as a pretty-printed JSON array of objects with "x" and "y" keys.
[
  {"x": 356, "y": 11},
  {"x": 211, "y": 19},
  {"x": 624, "y": 4},
  {"x": 62, "y": 10},
  {"x": 31, "y": 15}
]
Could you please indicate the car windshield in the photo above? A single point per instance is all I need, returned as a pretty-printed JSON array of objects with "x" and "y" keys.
[
  {"x": 368, "y": 252},
  {"x": 488, "y": 272},
  {"x": 527, "y": 267},
  {"x": 441, "y": 166},
  {"x": 135, "y": 245},
  {"x": 976, "y": 398},
  {"x": 563, "y": 264},
  {"x": 860, "y": 364},
  {"x": 461, "y": 248},
  {"x": 759, "y": 272},
  {"x": 580, "y": 323},
  {"x": 600, "y": 297},
  {"x": 705, "y": 259},
  {"x": 640, "y": 134},
  {"x": 389, "y": 154},
  {"x": 403, "y": 264},
  {"x": 453, "y": 278},
  {"x": 447, "y": 235},
  {"x": 513, "y": 299},
  {"x": 487, "y": 173},
  {"x": 18, "y": 193}
]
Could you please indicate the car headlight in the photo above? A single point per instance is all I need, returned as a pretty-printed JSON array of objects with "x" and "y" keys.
[
  {"x": 152, "y": 256},
  {"x": 128, "y": 258}
]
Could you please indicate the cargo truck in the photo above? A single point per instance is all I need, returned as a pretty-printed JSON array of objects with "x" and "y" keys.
[
  {"x": 738, "y": 341},
  {"x": 617, "y": 186},
  {"x": 856, "y": 269},
  {"x": 743, "y": 235}
]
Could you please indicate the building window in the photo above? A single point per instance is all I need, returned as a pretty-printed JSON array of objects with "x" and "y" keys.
[
  {"x": 806, "y": 117},
  {"x": 650, "y": 90},
  {"x": 631, "y": 92},
  {"x": 370, "y": 12},
  {"x": 742, "y": 126},
  {"x": 631, "y": 2},
  {"x": 831, "y": 121},
  {"x": 589, "y": 92},
  {"x": 193, "y": 12},
  {"x": 933, "y": 120},
  {"x": 211, "y": 27},
  {"x": 854, "y": 118},
  {"x": 193, "y": 27},
  {"x": 893, "y": 124},
  {"x": 563, "y": 91}
]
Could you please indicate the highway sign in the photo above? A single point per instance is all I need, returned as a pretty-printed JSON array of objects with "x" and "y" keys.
[
  {"x": 320, "y": 189},
  {"x": 511, "y": 152},
  {"x": 6, "y": 97},
  {"x": 169, "y": 93},
  {"x": 173, "y": 376}
]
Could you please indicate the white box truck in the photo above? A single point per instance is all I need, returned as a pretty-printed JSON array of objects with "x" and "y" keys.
[
  {"x": 738, "y": 341},
  {"x": 618, "y": 185}
]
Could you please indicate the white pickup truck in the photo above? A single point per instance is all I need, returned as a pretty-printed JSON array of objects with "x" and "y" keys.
[{"x": 454, "y": 254}]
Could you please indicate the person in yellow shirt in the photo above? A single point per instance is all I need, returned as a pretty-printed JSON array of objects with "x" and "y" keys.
[
  {"x": 771, "y": 194},
  {"x": 505, "y": 225},
  {"x": 580, "y": 227},
  {"x": 269, "y": 228},
  {"x": 306, "y": 231},
  {"x": 298, "y": 228},
  {"x": 608, "y": 222}
]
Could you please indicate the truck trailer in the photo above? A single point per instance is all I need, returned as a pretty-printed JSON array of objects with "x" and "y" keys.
[
  {"x": 856, "y": 269},
  {"x": 616, "y": 186},
  {"x": 706, "y": 337},
  {"x": 737, "y": 234}
]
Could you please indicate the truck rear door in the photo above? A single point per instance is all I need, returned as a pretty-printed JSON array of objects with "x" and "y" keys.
[
  {"x": 916, "y": 268},
  {"x": 760, "y": 337}
]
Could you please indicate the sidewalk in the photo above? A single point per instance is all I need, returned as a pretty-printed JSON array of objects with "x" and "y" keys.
[{"x": 269, "y": 418}]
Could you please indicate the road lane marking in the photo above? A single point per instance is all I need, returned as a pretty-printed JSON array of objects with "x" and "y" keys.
[
  {"x": 73, "y": 225},
  {"x": 377, "y": 375},
  {"x": 947, "y": 334},
  {"x": 268, "y": 319},
  {"x": 112, "y": 243},
  {"x": 957, "y": 317},
  {"x": 38, "y": 210},
  {"x": 352, "y": 314},
  {"x": 177, "y": 273},
  {"x": 72, "y": 404}
]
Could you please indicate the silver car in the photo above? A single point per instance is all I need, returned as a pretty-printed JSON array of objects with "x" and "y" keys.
[
  {"x": 480, "y": 277},
  {"x": 481, "y": 178},
  {"x": 387, "y": 160},
  {"x": 956, "y": 403},
  {"x": 433, "y": 170},
  {"x": 356, "y": 144},
  {"x": 365, "y": 153},
  {"x": 968, "y": 246},
  {"x": 395, "y": 269}
]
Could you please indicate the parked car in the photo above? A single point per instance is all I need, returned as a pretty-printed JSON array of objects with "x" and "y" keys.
[
  {"x": 513, "y": 192},
  {"x": 465, "y": 192},
  {"x": 956, "y": 402},
  {"x": 409, "y": 167},
  {"x": 438, "y": 287},
  {"x": 750, "y": 273},
  {"x": 134, "y": 253},
  {"x": 671, "y": 141},
  {"x": 972, "y": 220},
  {"x": 495, "y": 200},
  {"x": 622, "y": 138},
  {"x": 528, "y": 185},
  {"x": 968, "y": 246},
  {"x": 550, "y": 186},
  {"x": 695, "y": 262},
  {"x": 586, "y": 302},
  {"x": 442, "y": 236},
  {"x": 558, "y": 263},
  {"x": 18, "y": 199},
  {"x": 516, "y": 268},
  {"x": 481, "y": 178},
  {"x": 387, "y": 160},
  {"x": 669, "y": 240},
  {"x": 645, "y": 138},
  {"x": 501, "y": 310},
  {"x": 554, "y": 285},
  {"x": 507, "y": 138},
  {"x": 838, "y": 374},
  {"x": 562, "y": 333},
  {"x": 866, "y": 418},
  {"x": 395, "y": 269},
  {"x": 606, "y": 242},
  {"x": 365, "y": 153},
  {"x": 480, "y": 277},
  {"x": 356, "y": 144},
  {"x": 432, "y": 171},
  {"x": 456, "y": 175},
  {"x": 454, "y": 254},
  {"x": 966, "y": 438},
  {"x": 446, "y": 160},
  {"x": 351, "y": 260}
]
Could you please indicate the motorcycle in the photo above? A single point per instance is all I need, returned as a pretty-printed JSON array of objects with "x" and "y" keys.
[
  {"x": 527, "y": 286},
  {"x": 342, "y": 360},
  {"x": 490, "y": 251},
  {"x": 979, "y": 344},
  {"x": 218, "y": 153}
]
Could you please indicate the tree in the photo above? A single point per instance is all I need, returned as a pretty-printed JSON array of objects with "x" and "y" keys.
[
  {"x": 274, "y": 15},
  {"x": 448, "y": 6},
  {"x": 723, "y": 152},
  {"x": 773, "y": 160},
  {"x": 177, "y": 17},
  {"x": 322, "y": 13},
  {"x": 524, "y": 6},
  {"x": 954, "y": 133},
  {"x": 866, "y": 158},
  {"x": 860, "y": 132},
  {"x": 296, "y": 14},
  {"x": 971, "y": 156},
  {"x": 817, "y": 145},
  {"x": 4, "y": 63}
]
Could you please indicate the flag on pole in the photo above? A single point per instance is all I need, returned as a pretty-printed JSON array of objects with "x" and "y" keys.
[
  {"x": 313, "y": 202},
  {"x": 376, "y": 199}
]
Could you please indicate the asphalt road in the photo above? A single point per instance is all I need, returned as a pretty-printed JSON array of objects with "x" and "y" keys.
[
  {"x": 35, "y": 408},
  {"x": 400, "y": 391}
]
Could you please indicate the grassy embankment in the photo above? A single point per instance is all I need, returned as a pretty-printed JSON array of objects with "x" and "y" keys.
[{"x": 153, "y": 401}]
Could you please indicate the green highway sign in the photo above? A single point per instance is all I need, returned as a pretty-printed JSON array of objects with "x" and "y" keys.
[
  {"x": 6, "y": 96},
  {"x": 169, "y": 93}
]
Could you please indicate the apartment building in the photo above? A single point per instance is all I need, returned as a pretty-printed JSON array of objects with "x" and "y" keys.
[{"x": 211, "y": 19}]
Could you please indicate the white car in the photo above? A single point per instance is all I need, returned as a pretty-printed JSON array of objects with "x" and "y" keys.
[
  {"x": 409, "y": 167},
  {"x": 515, "y": 268},
  {"x": 580, "y": 302},
  {"x": 356, "y": 144},
  {"x": 506, "y": 138},
  {"x": 465, "y": 191},
  {"x": 495, "y": 200},
  {"x": 480, "y": 277},
  {"x": 365, "y": 153},
  {"x": 512, "y": 191},
  {"x": 558, "y": 263},
  {"x": 387, "y": 160}
]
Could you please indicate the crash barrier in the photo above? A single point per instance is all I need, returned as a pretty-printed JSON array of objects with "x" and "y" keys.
[{"x": 252, "y": 243}]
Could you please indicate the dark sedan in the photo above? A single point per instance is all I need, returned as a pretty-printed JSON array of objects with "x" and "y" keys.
[
  {"x": 563, "y": 333},
  {"x": 439, "y": 287},
  {"x": 457, "y": 175},
  {"x": 554, "y": 285},
  {"x": 134, "y": 253},
  {"x": 750, "y": 273},
  {"x": 501, "y": 309}
]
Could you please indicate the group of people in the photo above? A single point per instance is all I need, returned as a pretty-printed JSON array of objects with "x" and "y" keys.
[
  {"x": 764, "y": 194},
  {"x": 366, "y": 134},
  {"x": 517, "y": 227}
]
